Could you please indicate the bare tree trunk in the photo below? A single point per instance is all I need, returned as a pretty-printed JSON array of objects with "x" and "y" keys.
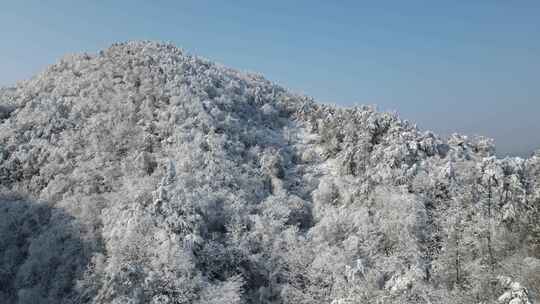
[
  {"x": 457, "y": 262},
  {"x": 490, "y": 247}
]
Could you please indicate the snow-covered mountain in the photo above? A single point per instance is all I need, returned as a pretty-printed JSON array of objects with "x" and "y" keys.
[{"x": 145, "y": 175}]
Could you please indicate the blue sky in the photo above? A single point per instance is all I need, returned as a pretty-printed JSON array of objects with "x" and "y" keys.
[{"x": 465, "y": 66}]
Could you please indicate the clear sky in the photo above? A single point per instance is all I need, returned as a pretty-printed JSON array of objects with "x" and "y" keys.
[{"x": 465, "y": 66}]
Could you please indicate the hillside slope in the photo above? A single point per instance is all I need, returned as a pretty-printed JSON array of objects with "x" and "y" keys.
[{"x": 146, "y": 175}]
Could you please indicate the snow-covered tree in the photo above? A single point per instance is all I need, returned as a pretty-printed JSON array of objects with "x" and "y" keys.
[{"x": 143, "y": 174}]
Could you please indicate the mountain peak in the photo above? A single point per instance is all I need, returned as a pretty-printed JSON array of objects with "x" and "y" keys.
[{"x": 143, "y": 174}]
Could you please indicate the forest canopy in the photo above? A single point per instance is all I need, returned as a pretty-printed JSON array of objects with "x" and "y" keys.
[{"x": 143, "y": 174}]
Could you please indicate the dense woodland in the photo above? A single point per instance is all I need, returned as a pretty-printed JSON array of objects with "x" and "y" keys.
[{"x": 143, "y": 174}]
